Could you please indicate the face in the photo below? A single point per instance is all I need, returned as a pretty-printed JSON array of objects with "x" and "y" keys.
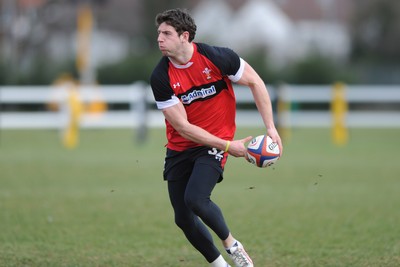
[{"x": 169, "y": 42}]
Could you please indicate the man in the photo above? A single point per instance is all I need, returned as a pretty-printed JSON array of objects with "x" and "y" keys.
[{"x": 192, "y": 85}]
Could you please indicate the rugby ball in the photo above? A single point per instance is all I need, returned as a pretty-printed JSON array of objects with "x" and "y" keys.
[{"x": 262, "y": 152}]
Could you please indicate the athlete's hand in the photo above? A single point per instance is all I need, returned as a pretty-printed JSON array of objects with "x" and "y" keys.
[
  {"x": 238, "y": 148},
  {"x": 273, "y": 133}
]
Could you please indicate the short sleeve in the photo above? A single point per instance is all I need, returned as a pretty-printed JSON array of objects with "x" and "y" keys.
[
  {"x": 162, "y": 91},
  {"x": 224, "y": 58}
]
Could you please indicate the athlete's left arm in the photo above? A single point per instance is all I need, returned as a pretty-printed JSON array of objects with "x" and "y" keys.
[{"x": 251, "y": 79}]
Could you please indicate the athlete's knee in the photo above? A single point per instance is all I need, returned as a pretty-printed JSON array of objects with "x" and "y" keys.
[
  {"x": 196, "y": 204},
  {"x": 183, "y": 222}
]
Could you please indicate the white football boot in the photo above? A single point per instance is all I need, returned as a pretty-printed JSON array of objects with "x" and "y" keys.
[{"x": 239, "y": 256}]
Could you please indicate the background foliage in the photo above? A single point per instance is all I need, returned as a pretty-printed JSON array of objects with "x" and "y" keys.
[{"x": 374, "y": 56}]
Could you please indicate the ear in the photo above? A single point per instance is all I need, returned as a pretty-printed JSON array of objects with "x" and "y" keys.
[{"x": 185, "y": 36}]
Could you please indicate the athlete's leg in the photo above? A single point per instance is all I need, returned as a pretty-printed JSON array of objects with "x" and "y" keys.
[
  {"x": 195, "y": 231},
  {"x": 197, "y": 197}
]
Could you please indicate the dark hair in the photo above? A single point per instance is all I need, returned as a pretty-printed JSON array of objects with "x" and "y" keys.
[{"x": 180, "y": 20}]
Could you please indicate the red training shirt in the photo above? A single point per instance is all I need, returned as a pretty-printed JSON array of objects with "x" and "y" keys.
[{"x": 204, "y": 87}]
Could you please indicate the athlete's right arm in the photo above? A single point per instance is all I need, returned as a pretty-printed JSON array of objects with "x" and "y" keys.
[{"x": 176, "y": 116}]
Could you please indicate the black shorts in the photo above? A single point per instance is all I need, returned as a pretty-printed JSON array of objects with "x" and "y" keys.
[{"x": 179, "y": 164}]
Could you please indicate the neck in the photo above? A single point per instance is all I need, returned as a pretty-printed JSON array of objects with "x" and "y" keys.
[{"x": 184, "y": 56}]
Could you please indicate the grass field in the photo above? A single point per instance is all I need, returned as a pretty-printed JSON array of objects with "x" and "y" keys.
[{"x": 105, "y": 204}]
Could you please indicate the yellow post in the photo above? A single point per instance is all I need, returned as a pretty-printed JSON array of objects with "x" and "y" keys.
[
  {"x": 65, "y": 99},
  {"x": 84, "y": 25},
  {"x": 71, "y": 132},
  {"x": 339, "y": 109},
  {"x": 86, "y": 68},
  {"x": 283, "y": 113}
]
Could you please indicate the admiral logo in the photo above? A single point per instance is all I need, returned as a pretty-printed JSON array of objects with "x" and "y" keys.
[
  {"x": 198, "y": 94},
  {"x": 176, "y": 85}
]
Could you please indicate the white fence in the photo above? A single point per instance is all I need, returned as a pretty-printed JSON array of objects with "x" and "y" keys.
[
  {"x": 373, "y": 113},
  {"x": 135, "y": 96},
  {"x": 138, "y": 98}
]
